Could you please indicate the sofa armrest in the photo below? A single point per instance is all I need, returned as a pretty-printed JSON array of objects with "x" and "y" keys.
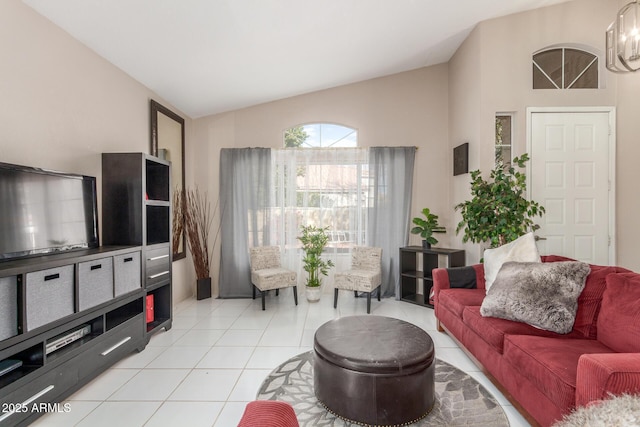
[
  {"x": 444, "y": 277},
  {"x": 599, "y": 375}
]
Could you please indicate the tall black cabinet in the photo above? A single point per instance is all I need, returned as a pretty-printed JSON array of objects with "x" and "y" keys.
[{"x": 136, "y": 206}]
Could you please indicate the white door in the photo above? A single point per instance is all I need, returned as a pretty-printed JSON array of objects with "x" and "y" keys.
[{"x": 570, "y": 175}]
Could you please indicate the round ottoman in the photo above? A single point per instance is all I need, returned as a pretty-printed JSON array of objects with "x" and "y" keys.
[{"x": 374, "y": 370}]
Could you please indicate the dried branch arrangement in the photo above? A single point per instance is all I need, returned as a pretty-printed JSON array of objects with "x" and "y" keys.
[
  {"x": 178, "y": 219},
  {"x": 198, "y": 219}
]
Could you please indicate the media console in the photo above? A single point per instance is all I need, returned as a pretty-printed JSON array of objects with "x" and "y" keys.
[
  {"x": 64, "y": 321},
  {"x": 67, "y": 316}
]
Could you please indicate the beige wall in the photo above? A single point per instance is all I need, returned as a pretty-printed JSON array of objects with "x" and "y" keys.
[
  {"x": 403, "y": 109},
  {"x": 496, "y": 61},
  {"x": 61, "y": 105}
]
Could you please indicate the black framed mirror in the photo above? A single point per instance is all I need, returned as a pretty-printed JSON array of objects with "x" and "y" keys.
[{"x": 167, "y": 142}]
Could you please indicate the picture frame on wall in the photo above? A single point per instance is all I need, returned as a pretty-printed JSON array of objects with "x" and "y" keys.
[{"x": 461, "y": 159}]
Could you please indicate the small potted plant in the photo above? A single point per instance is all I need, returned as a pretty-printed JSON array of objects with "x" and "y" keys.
[
  {"x": 426, "y": 226},
  {"x": 314, "y": 239}
]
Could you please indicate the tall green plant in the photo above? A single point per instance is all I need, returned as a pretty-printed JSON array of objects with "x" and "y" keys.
[
  {"x": 314, "y": 239},
  {"x": 498, "y": 211}
]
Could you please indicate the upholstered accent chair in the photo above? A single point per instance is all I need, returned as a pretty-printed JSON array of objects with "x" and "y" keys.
[
  {"x": 365, "y": 274},
  {"x": 268, "y": 413},
  {"x": 267, "y": 272}
]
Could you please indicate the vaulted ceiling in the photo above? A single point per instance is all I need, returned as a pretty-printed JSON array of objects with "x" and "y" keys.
[{"x": 210, "y": 56}]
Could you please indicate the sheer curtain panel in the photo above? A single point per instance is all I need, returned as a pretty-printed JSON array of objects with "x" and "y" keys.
[
  {"x": 245, "y": 200},
  {"x": 391, "y": 180}
]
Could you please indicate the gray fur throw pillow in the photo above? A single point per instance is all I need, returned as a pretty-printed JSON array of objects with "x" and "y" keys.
[{"x": 544, "y": 295}]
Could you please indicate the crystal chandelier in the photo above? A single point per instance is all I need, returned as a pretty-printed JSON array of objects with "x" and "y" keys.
[{"x": 623, "y": 39}]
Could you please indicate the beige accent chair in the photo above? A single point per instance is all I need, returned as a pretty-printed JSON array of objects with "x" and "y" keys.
[
  {"x": 365, "y": 274},
  {"x": 267, "y": 272}
]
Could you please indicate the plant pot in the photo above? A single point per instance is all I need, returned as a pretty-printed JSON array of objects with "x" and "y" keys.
[
  {"x": 426, "y": 244},
  {"x": 203, "y": 288},
  {"x": 313, "y": 293}
]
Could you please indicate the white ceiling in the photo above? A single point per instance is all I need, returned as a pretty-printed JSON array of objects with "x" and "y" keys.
[{"x": 210, "y": 56}]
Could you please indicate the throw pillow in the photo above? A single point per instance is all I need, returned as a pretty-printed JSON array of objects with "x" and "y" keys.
[
  {"x": 523, "y": 249},
  {"x": 620, "y": 313},
  {"x": 543, "y": 295}
]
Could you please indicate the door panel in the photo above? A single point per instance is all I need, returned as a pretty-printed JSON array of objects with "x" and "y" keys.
[{"x": 570, "y": 178}]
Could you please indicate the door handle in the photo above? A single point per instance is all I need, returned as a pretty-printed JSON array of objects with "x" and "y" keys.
[{"x": 536, "y": 238}]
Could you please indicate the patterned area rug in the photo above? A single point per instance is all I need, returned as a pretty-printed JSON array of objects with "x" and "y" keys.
[{"x": 460, "y": 399}]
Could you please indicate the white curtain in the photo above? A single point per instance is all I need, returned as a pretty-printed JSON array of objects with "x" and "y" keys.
[
  {"x": 245, "y": 180},
  {"x": 391, "y": 179},
  {"x": 325, "y": 187}
]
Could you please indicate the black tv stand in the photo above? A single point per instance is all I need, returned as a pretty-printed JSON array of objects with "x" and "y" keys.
[{"x": 108, "y": 311}]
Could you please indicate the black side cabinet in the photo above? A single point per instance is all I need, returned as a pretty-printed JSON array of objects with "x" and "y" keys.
[{"x": 411, "y": 276}]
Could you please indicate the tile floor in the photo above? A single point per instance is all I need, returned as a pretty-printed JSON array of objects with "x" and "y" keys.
[{"x": 205, "y": 369}]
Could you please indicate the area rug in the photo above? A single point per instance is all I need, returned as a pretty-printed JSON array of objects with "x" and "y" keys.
[{"x": 460, "y": 399}]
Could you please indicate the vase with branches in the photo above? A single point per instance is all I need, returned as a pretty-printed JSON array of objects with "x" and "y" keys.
[
  {"x": 198, "y": 221},
  {"x": 178, "y": 220}
]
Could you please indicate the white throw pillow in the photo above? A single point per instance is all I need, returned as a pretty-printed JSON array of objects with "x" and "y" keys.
[{"x": 523, "y": 249}]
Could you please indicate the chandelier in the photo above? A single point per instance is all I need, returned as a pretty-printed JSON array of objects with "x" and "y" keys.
[{"x": 623, "y": 39}]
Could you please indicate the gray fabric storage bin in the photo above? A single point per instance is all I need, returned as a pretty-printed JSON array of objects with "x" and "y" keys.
[
  {"x": 127, "y": 273},
  {"x": 95, "y": 282},
  {"x": 8, "y": 307},
  {"x": 49, "y": 295}
]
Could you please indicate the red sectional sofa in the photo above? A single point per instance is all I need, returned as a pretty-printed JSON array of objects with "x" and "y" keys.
[{"x": 545, "y": 374}]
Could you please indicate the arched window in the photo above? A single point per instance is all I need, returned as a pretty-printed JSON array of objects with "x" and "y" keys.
[
  {"x": 321, "y": 135},
  {"x": 565, "y": 68}
]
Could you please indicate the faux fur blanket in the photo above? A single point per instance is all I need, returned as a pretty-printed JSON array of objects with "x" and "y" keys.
[
  {"x": 544, "y": 295},
  {"x": 618, "y": 411}
]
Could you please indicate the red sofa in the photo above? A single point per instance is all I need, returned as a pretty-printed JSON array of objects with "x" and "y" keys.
[{"x": 545, "y": 374}]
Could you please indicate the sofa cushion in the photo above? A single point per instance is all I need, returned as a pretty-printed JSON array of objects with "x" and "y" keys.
[
  {"x": 590, "y": 299},
  {"x": 493, "y": 330},
  {"x": 550, "y": 364},
  {"x": 456, "y": 300},
  {"x": 620, "y": 313},
  {"x": 523, "y": 249},
  {"x": 544, "y": 295}
]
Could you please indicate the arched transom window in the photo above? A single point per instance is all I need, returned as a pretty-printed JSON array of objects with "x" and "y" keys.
[
  {"x": 565, "y": 68},
  {"x": 321, "y": 135}
]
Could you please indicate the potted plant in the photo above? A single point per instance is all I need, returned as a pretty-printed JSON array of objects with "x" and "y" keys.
[
  {"x": 198, "y": 219},
  {"x": 426, "y": 226},
  {"x": 498, "y": 211},
  {"x": 314, "y": 239}
]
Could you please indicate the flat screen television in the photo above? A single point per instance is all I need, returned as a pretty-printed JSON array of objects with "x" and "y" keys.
[{"x": 43, "y": 212}]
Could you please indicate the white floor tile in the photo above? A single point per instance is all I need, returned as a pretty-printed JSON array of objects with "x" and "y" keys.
[
  {"x": 166, "y": 338},
  {"x": 110, "y": 414},
  {"x": 150, "y": 384},
  {"x": 191, "y": 414},
  {"x": 200, "y": 337},
  {"x": 290, "y": 336},
  {"x": 248, "y": 385},
  {"x": 216, "y": 322},
  {"x": 105, "y": 385},
  {"x": 214, "y": 385},
  {"x": 140, "y": 360},
  {"x": 271, "y": 357},
  {"x": 179, "y": 358},
  {"x": 226, "y": 357},
  {"x": 239, "y": 337},
  {"x": 77, "y": 411}
]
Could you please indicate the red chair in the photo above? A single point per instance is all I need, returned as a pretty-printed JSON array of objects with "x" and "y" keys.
[{"x": 268, "y": 413}]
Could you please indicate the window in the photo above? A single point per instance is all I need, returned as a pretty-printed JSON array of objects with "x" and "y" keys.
[
  {"x": 565, "y": 68},
  {"x": 320, "y": 135},
  {"x": 504, "y": 138},
  {"x": 327, "y": 186}
]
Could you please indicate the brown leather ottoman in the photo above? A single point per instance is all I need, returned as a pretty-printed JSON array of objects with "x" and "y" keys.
[{"x": 374, "y": 370}]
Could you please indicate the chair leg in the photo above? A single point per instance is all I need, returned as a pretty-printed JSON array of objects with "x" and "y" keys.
[
  {"x": 355, "y": 294},
  {"x": 295, "y": 294},
  {"x": 263, "y": 295},
  {"x": 368, "y": 302},
  {"x": 379, "y": 292},
  {"x": 253, "y": 291},
  {"x": 277, "y": 292},
  {"x": 335, "y": 298}
]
